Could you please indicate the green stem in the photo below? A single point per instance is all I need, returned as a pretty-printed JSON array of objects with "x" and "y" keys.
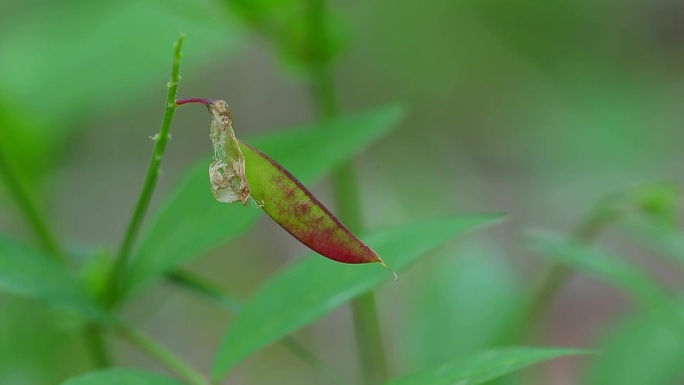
[
  {"x": 162, "y": 355},
  {"x": 366, "y": 320},
  {"x": 153, "y": 172},
  {"x": 214, "y": 292},
  {"x": 94, "y": 340},
  {"x": 23, "y": 197}
]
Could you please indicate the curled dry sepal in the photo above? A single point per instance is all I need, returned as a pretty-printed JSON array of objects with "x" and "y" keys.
[{"x": 240, "y": 172}]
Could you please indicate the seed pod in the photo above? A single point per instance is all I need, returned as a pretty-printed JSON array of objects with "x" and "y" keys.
[{"x": 240, "y": 171}]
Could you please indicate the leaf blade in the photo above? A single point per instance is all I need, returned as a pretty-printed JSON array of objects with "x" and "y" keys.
[
  {"x": 315, "y": 286},
  {"x": 29, "y": 273},
  {"x": 483, "y": 367},
  {"x": 637, "y": 349},
  {"x": 121, "y": 376},
  {"x": 610, "y": 269}
]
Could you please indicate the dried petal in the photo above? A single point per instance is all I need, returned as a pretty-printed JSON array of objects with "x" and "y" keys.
[{"x": 227, "y": 170}]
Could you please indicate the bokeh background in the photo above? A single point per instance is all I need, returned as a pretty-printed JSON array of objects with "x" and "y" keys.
[{"x": 533, "y": 108}]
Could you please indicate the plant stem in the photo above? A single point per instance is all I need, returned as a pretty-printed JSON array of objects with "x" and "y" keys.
[
  {"x": 23, "y": 197},
  {"x": 214, "y": 292},
  {"x": 365, "y": 314},
  {"x": 95, "y": 342},
  {"x": 162, "y": 355},
  {"x": 153, "y": 172},
  {"x": 92, "y": 334}
]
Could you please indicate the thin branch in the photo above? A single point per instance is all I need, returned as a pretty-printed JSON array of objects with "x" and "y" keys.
[{"x": 153, "y": 172}]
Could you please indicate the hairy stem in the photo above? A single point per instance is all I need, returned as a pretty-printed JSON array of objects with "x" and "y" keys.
[
  {"x": 153, "y": 172},
  {"x": 215, "y": 293},
  {"x": 365, "y": 314},
  {"x": 162, "y": 355}
]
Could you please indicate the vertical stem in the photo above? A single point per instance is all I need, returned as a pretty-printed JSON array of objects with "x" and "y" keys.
[
  {"x": 150, "y": 183},
  {"x": 365, "y": 315}
]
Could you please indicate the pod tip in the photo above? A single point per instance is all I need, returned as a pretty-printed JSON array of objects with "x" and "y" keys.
[{"x": 396, "y": 277}]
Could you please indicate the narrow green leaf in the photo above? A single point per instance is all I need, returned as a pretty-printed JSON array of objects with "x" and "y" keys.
[
  {"x": 638, "y": 349},
  {"x": 609, "y": 268},
  {"x": 315, "y": 286},
  {"x": 28, "y": 272},
  {"x": 483, "y": 367},
  {"x": 192, "y": 222},
  {"x": 121, "y": 376}
]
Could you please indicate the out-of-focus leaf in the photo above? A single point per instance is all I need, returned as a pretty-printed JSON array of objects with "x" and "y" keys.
[
  {"x": 609, "y": 268},
  {"x": 91, "y": 54},
  {"x": 660, "y": 235},
  {"x": 659, "y": 201},
  {"x": 26, "y": 145},
  {"x": 27, "y": 272},
  {"x": 315, "y": 286},
  {"x": 121, "y": 376},
  {"x": 483, "y": 367},
  {"x": 32, "y": 337},
  {"x": 192, "y": 222},
  {"x": 294, "y": 208},
  {"x": 288, "y": 25},
  {"x": 462, "y": 305},
  {"x": 638, "y": 350}
]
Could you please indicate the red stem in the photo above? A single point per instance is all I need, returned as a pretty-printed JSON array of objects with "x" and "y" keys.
[{"x": 180, "y": 102}]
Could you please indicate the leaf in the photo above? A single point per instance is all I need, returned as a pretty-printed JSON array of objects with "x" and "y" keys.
[
  {"x": 611, "y": 269},
  {"x": 660, "y": 235},
  {"x": 64, "y": 49},
  {"x": 286, "y": 24},
  {"x": 315, "y": 286},
  {"x": 483, "y": 367},
  {"x": 461, "y": 304},
  {"x": 296, "y": 210},
  {"x": 121, "y": 376},
  {"x": 638, "y": 349},
  {"x": 27, "y": 272},
  {"x": 192, "y": 222},
  {"x": 32, "y": 337}
]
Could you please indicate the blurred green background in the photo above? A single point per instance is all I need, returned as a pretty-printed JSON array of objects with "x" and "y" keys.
[{"x": 533, "y": 108}]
